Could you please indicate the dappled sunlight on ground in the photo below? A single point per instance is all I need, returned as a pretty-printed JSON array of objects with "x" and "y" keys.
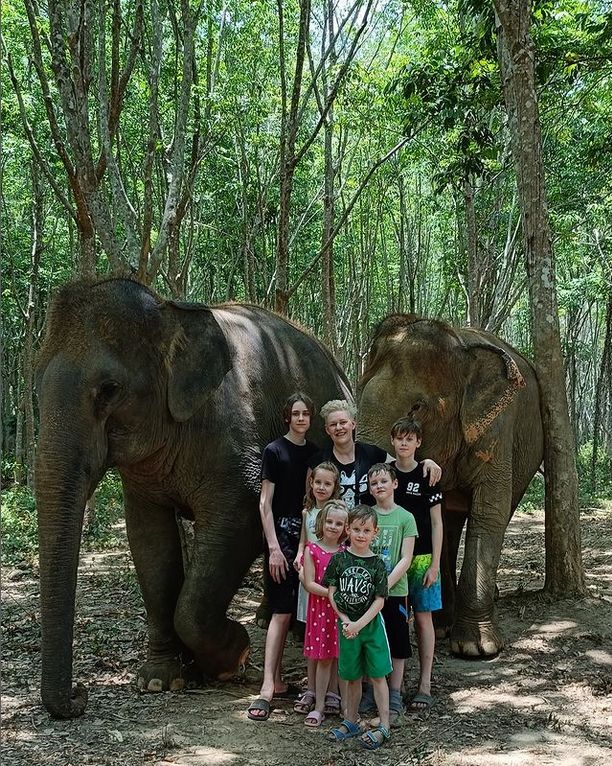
[{"x": 546, "y": 700}]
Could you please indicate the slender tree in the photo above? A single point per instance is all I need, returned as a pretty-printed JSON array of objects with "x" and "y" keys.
[{"x": 564, "y": 571}]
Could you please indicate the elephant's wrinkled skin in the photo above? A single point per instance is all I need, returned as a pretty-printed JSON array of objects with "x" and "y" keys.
[
  {"x": 182, "y": 399},
  {"x": 478, "y": 401}
]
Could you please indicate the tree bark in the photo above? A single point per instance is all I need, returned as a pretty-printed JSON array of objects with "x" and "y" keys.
[{"x": 564, "y": 570}]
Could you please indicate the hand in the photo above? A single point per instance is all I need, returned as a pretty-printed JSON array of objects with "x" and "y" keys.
[
  {"x": 349, "y": 629},
  {"x": 433, "y": 470},
  {"x": 278, "y": 566},
  {"x": 298, "y": 561},
  {"x": 430, "y": 577}
]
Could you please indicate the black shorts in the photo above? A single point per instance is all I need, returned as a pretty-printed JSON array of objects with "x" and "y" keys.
[
  {"x": 283, "y": 596},
  {"x": 395, "y": 614}
]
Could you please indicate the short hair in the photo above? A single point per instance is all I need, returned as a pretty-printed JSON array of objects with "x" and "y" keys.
[
  {"x": 405, "y": 426},
  {"x": 336, "y": 405},
  {"x": 382, "y": 468},
  {"x": 363, "y": 513},
  {"x": 330, "y": 505},
  {"x": 297, "y": 396}
]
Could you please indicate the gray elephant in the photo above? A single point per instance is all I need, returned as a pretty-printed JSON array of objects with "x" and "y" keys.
[
  {"x": 181, "y": 398},
  {"x": 478, "y": 401}
]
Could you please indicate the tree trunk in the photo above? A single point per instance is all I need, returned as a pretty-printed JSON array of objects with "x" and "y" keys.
[
  {"x": 327, "y": 248},
  {"x": 603, "y": 381},
  {"x": 473, "y": 255},
  {"x": 564, "y": 570}
]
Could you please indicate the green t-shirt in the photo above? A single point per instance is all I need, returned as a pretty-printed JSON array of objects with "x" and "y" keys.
[
  {"x": 393, "y": 527},
  {"x": 358, "y": 580}
]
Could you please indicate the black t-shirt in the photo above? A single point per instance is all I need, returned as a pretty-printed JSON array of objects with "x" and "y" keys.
[
  {"x": 285, "y": 464},
  {"x": 415, "y": 495},
  {"x": 353, "y": 476}
]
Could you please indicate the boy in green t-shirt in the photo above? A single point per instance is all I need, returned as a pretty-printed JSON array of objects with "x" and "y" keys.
[
  {"x": 357, "y": 582},
  {"x": 394, "y": 543}
]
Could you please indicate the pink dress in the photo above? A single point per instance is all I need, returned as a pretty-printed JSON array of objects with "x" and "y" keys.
[{"x": 321, "y": 638}]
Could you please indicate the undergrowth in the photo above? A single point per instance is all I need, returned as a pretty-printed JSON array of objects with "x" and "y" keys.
[{"x": 19, "y": 525}]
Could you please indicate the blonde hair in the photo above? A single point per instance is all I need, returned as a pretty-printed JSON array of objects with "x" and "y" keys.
[
  {"x": 309, "y": 498},
  {"x": 330, "y": 505},
  {"x": 338, "y": 405}
]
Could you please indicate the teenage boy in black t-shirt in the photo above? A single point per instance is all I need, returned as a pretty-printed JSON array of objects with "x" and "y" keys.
[{"x": 283, "y": 478}]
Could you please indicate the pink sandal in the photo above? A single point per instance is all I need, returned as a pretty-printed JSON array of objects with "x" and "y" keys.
[{"x": 314, "y": 719}]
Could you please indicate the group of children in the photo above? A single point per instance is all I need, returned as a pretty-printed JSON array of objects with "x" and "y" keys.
[{"x": 358, "y": 571}]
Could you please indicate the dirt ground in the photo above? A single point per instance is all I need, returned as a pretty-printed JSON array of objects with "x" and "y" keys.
[{"x": 547, "y": 699}]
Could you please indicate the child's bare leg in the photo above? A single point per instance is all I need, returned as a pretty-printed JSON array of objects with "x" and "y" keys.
[
  {"x": 353, "y": 695},
  {"x": 334, "y": 678},
  {"x": 426, "y": 641},
  {"x": 311, "y": 671},
  {"x": 381, "y": 695},
  {"x": 273, "y": 655},
  {"x": 396, "y": 677},
  {"x": 323, "y": 672}
]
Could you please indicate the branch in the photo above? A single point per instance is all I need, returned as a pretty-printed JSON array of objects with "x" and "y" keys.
[
  {"x": 347, "y": 211},
  {"x": 42, "y": 163}
]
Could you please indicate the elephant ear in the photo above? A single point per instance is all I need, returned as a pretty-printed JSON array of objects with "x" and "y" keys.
[
  {"x": 197, "y": 358},
  {"x": 493, "y": 380}
]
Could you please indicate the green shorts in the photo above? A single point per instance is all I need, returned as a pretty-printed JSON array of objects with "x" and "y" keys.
[{"x": 367, "y": 654}]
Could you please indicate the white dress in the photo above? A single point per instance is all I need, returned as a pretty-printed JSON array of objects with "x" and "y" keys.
[{"x": 309, "y": 521}]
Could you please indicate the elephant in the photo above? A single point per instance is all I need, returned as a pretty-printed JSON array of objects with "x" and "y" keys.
[
  {"x": 181, "y": 399},
  {"x": 478, "y": 402}
]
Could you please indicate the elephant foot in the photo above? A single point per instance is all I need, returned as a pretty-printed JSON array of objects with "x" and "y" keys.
[
  {"x": 475, "y": 639},
  {"x": 222, "y": 656},
  {"x": 167, "y": 675},
  {"x": 242, "y": 661}
]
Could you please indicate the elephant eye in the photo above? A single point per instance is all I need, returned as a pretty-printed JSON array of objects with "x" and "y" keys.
[{"x": 108, "y": 391}]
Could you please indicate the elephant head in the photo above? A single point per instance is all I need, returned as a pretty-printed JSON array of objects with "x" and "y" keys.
[
  {"x": 119, "y": 370},
  {"x": 456, "y": 383}
]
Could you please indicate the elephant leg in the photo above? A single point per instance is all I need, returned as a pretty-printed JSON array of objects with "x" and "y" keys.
[
  {"x": 156, "y": 549},
  {"x": 221, "y": 558},
  {"x": 454, "y": 521},
  {"x": 475, "y": 631}
]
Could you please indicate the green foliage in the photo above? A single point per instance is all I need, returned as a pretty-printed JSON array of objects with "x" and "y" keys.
[
  {"x": 19, "y": 529},
  {"x": 589, "y": 495},
  {"x": 19, "y": 523},
  {"x": 101, "y": 530}
]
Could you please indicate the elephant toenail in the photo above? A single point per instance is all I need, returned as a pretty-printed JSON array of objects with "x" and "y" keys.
[{"x": 155, "y": 685}]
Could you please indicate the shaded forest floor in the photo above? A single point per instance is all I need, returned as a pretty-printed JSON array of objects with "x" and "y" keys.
[{"x": 547, "y": 699}]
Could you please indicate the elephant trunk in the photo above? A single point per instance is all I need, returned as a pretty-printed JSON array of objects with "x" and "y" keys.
[{"x": 63, "y": 484}]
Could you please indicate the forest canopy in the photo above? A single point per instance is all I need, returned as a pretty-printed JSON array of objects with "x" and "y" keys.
[{"x": 336, "y": 161}]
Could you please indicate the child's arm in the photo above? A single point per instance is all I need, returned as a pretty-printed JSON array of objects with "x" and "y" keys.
[
  {"x": 351, "y": 629},
  {"x": 403, "y": 565},
  {"x": 297, "y": 564},
  {"x": 431, "y": 469},
  {"x": 311, "y": 585},
  {"x": 437, "y": 532},
  {"x": 330, "y": 594}
]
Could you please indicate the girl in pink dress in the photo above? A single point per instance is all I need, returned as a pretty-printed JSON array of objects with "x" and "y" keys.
[{"x": 321, "y": 639}]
